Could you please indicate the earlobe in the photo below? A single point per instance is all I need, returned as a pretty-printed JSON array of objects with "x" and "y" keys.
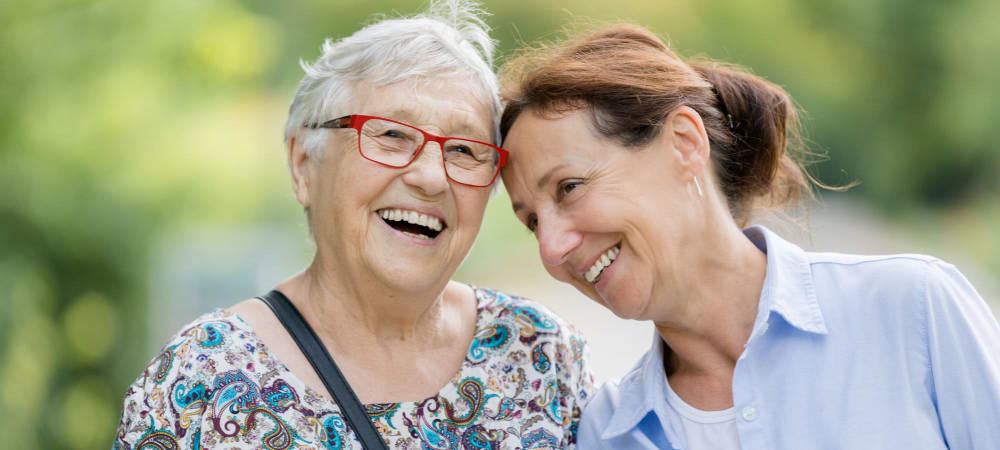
[
  {"x": 298, "y": 164},
  {"x": 686, "y": 133}
]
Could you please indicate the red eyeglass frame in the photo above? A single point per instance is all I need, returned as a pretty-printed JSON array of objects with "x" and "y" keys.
[{"x": 356, "y": 121}]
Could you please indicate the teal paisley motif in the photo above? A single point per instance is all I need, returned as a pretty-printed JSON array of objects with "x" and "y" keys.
[
  {"x": 185, "y": 398},
  {"x": 213, "y": 334},
  {"x": 383, "y": 411},
  {"x": 549, "y": 402},
  {"x": 540, "y": 360},
  {"x": 531, "y": 323},
  {"x": 336, "y": 432},
  {"x": 164, "y": 362},
  {"x": 470, "y": 390},
  {"x": 539, "y": 438},
  {"x": 478, "y": 437},
  {"x": 279, "y": 396},
  {"x": 488, "y": 341},
  {"x": 232, "y": 392},
  {"x": 157, "y": 439}
]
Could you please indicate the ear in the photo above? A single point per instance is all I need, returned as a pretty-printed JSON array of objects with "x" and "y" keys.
[
  {"x": 300, "y": 164},
  {"x": 686, "y": 135}
]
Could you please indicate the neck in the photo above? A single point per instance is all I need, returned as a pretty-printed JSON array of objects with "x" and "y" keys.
[
  {"x": 330, "y": 298},
  {"x": 713, "y": 305}
]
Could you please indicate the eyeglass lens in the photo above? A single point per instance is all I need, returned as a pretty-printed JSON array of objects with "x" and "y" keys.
[{"x": 394, "y": 144}]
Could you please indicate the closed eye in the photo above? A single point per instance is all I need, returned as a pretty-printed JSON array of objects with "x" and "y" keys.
[{"x": 531, "y": 222}]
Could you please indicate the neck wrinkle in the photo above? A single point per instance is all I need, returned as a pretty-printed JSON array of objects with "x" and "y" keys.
[
  {"x": 344, "y": 309},
  {"x": 716, "y": 305}
]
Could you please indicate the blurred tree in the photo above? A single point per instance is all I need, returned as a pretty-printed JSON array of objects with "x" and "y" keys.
[{"x": 120, "y": 121}]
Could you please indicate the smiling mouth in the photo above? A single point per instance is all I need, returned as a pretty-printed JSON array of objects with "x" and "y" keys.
[
  {"x": 412, "y": 223},
  {"x": 594, "y": 274}
]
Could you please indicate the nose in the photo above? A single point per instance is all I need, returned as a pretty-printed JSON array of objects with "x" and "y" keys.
[
  {"x": 556, "y": 239},
  {"x": 426, "y": 173}
]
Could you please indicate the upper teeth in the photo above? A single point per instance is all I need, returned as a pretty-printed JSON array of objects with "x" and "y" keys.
[
  {"x": 412, "y": 217},
  {"x": 602, "y": 262}
]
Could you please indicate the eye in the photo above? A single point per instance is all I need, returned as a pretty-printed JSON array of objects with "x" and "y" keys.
[{"x": 566, "y": 187}]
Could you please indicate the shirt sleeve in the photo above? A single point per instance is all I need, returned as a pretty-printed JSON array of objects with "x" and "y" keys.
[
  {"x": 147, "y": 419},
  {"x": 581, "y": 383},
  {"x": 963, "y": 341}
]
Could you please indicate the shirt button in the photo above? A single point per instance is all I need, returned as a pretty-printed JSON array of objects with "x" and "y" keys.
[{"x": 749, "y": 413}]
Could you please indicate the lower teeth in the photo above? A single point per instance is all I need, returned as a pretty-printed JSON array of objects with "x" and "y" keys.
[{"x": 418, "y": 236}]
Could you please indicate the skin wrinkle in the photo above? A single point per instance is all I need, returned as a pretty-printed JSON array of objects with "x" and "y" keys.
[{"x": 684, "y": 263}]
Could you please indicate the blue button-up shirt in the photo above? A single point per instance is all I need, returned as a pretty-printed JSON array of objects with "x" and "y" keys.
[{"x": 846, "y": 352}]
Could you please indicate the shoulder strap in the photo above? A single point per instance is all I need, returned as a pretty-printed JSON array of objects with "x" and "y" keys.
[{"x": 327, "y": 370}]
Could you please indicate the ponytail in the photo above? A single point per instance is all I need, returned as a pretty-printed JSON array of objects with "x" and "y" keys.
[{"x": 756, "y": 130}]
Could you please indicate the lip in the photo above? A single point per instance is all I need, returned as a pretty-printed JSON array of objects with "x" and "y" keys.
[{"x": 400, "y": 234}]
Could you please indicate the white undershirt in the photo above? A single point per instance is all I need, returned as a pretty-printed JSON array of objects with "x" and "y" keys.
[{"x": 714, "y": 430}]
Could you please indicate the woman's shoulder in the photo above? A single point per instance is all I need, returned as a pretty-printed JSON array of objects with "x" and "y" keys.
[
  {"x": 531, "y": 320},
  {"x": 501, "y": 304},
  {"x": 202, "y": 340},
  {"x": 521, "y": 328},
  {"x": 883, "y": 278},
  {"x": 214, "y": 350},
  {"x": 539, "y": 357}
]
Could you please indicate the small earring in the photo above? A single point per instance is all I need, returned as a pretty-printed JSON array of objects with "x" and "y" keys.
[{"x": 697, "y": 186}]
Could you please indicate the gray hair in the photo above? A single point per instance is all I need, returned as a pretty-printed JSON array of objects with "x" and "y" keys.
[{"x": 449, "y": 39}]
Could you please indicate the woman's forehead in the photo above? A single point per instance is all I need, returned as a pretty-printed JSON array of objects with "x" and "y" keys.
[{"x": 451, "y": 106}]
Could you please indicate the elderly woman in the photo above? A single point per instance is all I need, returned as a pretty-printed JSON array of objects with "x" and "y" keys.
[
  {"x": 635, "y": 170},
  {"x": 388, "y": 142}
]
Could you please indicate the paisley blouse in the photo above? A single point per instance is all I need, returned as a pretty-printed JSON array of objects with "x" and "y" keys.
[{"x": 522, "y": 385}]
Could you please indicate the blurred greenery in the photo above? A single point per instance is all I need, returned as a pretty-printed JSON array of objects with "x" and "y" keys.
[{"x": 123, "y": 121}]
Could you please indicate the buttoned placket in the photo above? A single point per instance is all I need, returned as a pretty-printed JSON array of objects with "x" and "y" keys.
[{"x": 751, "y": 421}]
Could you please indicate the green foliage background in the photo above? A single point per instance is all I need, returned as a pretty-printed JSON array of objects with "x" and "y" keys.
[{"x": 123, "y": 121}]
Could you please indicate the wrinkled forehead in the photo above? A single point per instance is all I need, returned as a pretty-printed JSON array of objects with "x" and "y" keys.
[{"x": 450, "y": 106}]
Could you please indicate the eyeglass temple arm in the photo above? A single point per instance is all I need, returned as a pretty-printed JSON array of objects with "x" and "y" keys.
[{"x": 340, "y": 122}]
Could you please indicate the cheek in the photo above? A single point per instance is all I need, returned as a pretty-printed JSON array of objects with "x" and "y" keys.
[
  {"x": 559, "y": 273},
  {"x": 472, "y": 207}
]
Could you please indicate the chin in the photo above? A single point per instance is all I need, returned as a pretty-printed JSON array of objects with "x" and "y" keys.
[{"x": 625, "y": 305}]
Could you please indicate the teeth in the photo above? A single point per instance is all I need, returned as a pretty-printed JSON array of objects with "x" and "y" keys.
[
  {"x": 604, "y": 261},
  {"x": 412, "y": 217}
]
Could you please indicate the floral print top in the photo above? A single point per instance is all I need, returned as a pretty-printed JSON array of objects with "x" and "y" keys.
[{"x": 522, "y": 385}]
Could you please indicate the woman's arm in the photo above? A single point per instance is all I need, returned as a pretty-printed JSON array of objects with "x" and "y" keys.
[{"x": 963, "y": 342}]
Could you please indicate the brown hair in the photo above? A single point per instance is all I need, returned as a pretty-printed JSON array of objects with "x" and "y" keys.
[{"x": 630, "y": 81}]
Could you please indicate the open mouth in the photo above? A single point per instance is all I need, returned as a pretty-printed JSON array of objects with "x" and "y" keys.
[
  {"x": 594, "y": 274},
  {"x": 412, "y": 223}
]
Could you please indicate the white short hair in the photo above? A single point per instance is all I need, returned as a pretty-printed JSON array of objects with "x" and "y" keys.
[{"x": 449, "y": 39}]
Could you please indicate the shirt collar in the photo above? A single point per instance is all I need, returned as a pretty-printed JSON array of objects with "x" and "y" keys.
[
  {"x": 788, "y": 291},
  {"x": 641, "y": 391},
  {"x": 788, "y": 287}
]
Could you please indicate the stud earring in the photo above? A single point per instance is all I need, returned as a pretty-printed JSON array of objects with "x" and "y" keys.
[{"x": 698, "y": 187}]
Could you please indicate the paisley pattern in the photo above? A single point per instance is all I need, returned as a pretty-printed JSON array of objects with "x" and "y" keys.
[{"x": 522, "y": 385}]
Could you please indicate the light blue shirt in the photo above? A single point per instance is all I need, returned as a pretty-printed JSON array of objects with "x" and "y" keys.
[{"x": 846, "y": 352}]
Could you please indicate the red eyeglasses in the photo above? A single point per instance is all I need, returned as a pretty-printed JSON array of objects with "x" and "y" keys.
[{"x": 396, "y": 144}]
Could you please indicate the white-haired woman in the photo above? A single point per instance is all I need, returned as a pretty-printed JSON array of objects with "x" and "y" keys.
[{"x": 388, "y": 142}]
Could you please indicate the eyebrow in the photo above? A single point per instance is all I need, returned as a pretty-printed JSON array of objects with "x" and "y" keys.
[
  {"x": 541, "y": 183},
  {"x": 471, "y": 131}
]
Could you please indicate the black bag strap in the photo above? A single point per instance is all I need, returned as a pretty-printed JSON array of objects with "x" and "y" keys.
[{"x": 327, "y": 370}]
